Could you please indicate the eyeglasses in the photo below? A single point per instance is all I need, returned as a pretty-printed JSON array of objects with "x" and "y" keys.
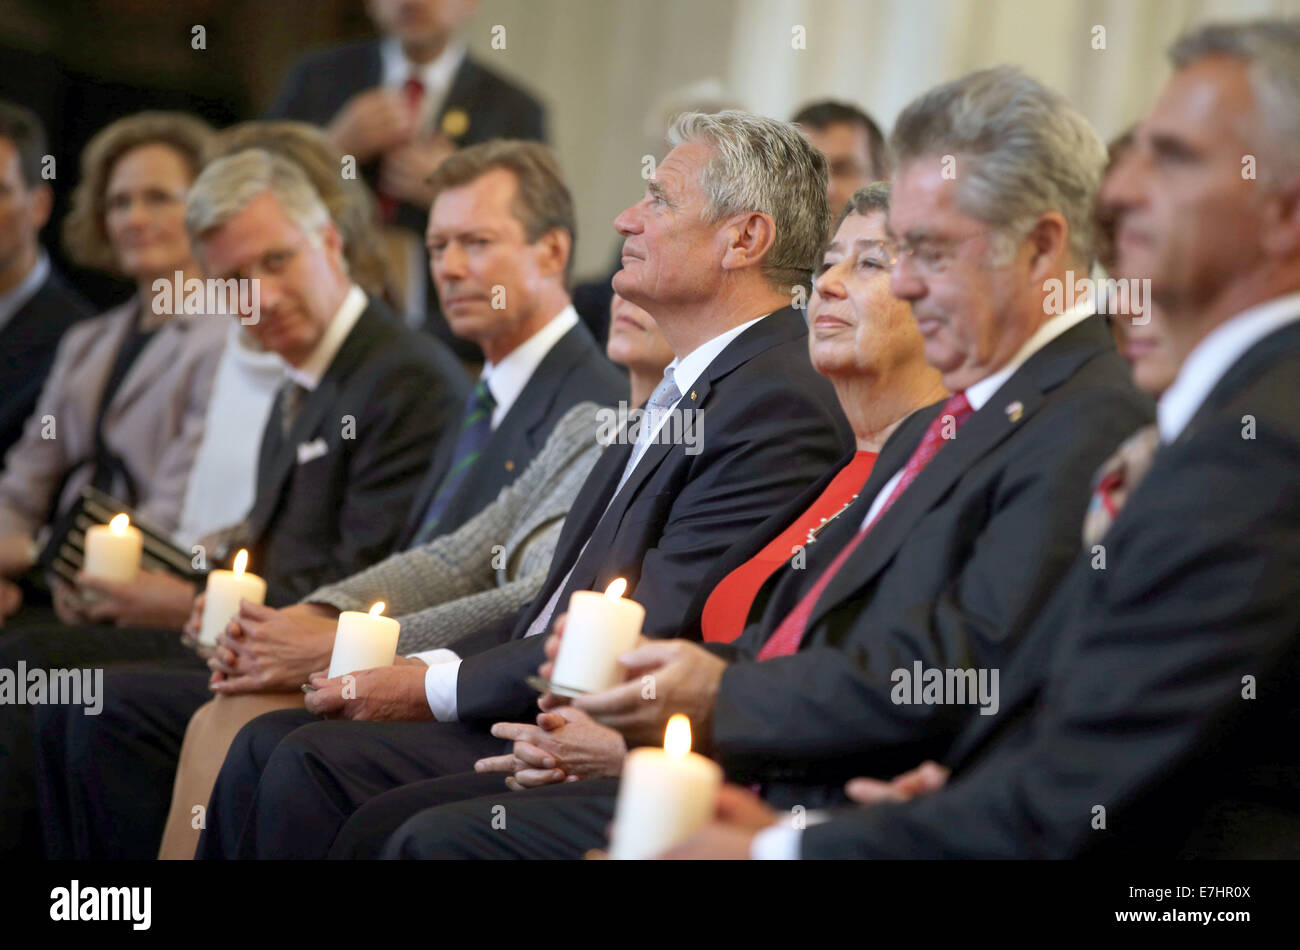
[{"x": 932, "y": 256}]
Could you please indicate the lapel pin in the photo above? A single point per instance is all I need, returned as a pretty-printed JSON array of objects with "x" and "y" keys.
[
  {"x": 455, "y": 123},
  {"x": 692, "y": 395},
  {"x": 510, "y": 465},
  {"x": 1015, "y": 410}
]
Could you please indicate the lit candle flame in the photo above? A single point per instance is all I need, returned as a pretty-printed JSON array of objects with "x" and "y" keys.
[
  {"x": 119, "y": 524},
  {"x": 377, "y": 609},
  {"x": 615, "y": 590},
  {"x": 241, "y": 561},
  {"x": 677, "y": 737}
]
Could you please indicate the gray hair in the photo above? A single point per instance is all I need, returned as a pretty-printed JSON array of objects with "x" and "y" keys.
[
  {"x": 1271, "y": 51},
  {"x": 762, "y": 164},
  {"x": 868, "y": 199},
  {"x": 227, "y": 185},
  {"x": 1023, "y": 150}
]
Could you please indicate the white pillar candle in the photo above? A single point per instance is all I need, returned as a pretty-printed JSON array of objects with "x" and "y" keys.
[
  {"x": 364, "y": 641},
  {"x": 598, "y": 629},
  {"x": 224, "y": 592},
  {"x": 665, "y": 795},
  {"x": 112, "y": 551}
]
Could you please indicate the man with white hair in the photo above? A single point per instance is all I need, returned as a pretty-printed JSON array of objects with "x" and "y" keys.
[{"x": 718, "y": 248}]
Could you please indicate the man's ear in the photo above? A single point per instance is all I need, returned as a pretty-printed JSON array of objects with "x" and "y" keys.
[
  {"x": 333, "y": 243},
  {"x": 553, "y": 251},
  {"x": 1049, "y": 241},
  {"x": 748, "y": 238},
  {"x": 41, "y": 197},
  {"x": 1280, "y": 234}
]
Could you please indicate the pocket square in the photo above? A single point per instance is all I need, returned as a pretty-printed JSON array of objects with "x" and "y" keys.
[{"x": 311, "y": 450}]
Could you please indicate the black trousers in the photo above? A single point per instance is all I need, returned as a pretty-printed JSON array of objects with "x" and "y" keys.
[
  {"x": 562, "y": 821},
  {"x": 364, "y": 835},
  {"x": 48, "y": 648},
  {"x": 289, "y": 784},
  {"x": 105, "y": 782}
]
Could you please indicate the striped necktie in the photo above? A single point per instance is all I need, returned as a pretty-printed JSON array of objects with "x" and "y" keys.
[{"x": 475, "y": 430}]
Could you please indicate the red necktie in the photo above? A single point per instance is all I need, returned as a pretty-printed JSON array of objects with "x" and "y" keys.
[
  {"x": 785, "y": 641},
  {"x": 412, "y": 95}
]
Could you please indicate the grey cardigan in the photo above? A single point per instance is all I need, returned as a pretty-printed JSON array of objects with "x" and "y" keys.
[{"x": 459, "y": 583}]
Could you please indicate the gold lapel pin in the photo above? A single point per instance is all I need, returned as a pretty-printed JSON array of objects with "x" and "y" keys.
[
  {"x": 1015, "y": 410},
  {"x": 510, "y": 466},
  {"x": 455, "y": 123},
  {"x": 692, "y": 395}
]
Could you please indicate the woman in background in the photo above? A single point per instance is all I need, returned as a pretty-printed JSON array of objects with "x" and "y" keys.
[{"x": 124, "y": 404}]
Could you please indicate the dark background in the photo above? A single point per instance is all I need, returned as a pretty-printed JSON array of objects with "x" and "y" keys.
[{"x": 80, "y": 64}]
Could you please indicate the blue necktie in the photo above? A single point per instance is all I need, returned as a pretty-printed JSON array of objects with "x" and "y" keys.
[{"x": 475, "y": 429}]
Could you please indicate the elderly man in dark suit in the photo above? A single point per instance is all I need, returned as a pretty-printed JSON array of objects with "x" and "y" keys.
[
  {"x": 719, "y": 276},
  {"x": 401, "y": 104},
  {"x": 965, "y": 527}
]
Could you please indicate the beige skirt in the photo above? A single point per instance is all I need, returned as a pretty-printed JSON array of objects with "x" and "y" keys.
[{"x": 207, "y": 740}]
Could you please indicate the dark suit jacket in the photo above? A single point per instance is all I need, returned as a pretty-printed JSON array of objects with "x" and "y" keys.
[
  {"x": 1128, "y": 693},
  {"x": 27, "y": 345},
  {"x": 388, "y": 397},
  {"x": 575, "y": 370},
  {"x": 320, "y": 83},
  {"x": 949, "y": 576},
  {"x": 770, "y": 425}
]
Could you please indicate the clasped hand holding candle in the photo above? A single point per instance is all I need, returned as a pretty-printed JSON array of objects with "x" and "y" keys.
[
  {"x": 597, "y": 630},
  {"x": 224, "y": 592},
  {"x": 364, "y": 641}
]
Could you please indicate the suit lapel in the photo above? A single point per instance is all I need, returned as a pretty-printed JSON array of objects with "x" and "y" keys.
[
  {"x": 522, "y": 432},
  {"x": 1244, "y": 371},
  {"x": 279, "y": 455},
  {"x": 590, "y": 508},
  {"x": 462, "y": 96},
  {"x": 603, "y": 520}
]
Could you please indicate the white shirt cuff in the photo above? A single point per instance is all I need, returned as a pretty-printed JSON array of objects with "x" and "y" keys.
[
  {"x": 431, "y": 657},
  {"x": 440, "y": 683},
  {"x": 782, "y": 841},
  {"x": 777, "y": 843}
]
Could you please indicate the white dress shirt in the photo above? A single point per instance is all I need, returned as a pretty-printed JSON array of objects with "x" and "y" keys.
[
  {"x": 436, "y": 75},
  {"x": 781, "y": 841},
  {"x": 444, "y": 665},
  {"x": 313, "y": 369},
  {"x": 222, "y": 481},
  {"x": 1214, "y": 356},
  {"x": 507, "y": 379},
  {"x": 14, "y": 300}
]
